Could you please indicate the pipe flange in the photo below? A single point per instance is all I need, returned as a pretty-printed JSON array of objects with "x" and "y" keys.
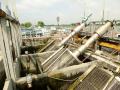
[{"x": 29, "y": 80}]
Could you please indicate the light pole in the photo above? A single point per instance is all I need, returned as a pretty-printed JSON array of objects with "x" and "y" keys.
[{"x": 58, "y": 20}]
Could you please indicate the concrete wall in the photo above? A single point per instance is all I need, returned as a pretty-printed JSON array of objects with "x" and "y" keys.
[
  {"x": 8, "y": 85},
  {"x": 2, "y": 73}
]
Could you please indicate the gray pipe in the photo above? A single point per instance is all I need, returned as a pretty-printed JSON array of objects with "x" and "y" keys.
[
  {"x": 100, "y": 32},
  {"x": 67, "y": 72},
  {"x": 76, "y": 30},
  {"x": 103, "y": 29}
]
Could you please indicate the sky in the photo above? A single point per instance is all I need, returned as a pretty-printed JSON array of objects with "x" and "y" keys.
[{"x": 69, "y": 11}]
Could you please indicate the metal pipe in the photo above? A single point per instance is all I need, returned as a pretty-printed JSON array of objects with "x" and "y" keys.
[
  {"x": 23, "y": 80},
  {"x": 100, "y": 32},
  {"x": 64, "y": 72},
  {"x": 103, "y": 29},
  {"x": 76, "y": 30}
]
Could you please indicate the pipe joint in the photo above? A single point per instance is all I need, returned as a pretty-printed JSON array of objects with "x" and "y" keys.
[{"x": 29, "y": 80}]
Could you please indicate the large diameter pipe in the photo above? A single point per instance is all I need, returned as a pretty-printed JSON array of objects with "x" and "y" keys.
[
  {"x": 64, "y": 72},
  {"x": 100, "y": 32},
  {"x": 76, "y": 30},
  {"x": 103, "y": 29}
]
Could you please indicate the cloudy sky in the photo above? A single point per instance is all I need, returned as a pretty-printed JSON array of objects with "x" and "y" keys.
[{"x": 69, "y": 11}]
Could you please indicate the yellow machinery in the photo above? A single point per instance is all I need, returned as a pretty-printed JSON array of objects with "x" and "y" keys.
[{"x": 110, "y": 45}]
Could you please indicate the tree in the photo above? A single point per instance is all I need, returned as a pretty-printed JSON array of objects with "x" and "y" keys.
[
  {"x": 26, "y": 24},
  {"x": 73, "y": 24},
  {"x": 40, "y": 23},
  {"x": 23, "y": 25}
]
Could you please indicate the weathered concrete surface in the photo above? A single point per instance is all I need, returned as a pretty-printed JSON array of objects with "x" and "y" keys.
[
  {"x": 8, "y": 85},
  {"x": 51, "y": 46},
  {"x": 2, "y": 73},
  {"x": 39, "y": 57}
]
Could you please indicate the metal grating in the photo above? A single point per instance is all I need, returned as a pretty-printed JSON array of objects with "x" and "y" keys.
[
  {"x": 63, "y": 60},
  {"x": 52, "y": 59},
  {"x": 115, "y": 85},
  {"x": 96, "y": 80}
]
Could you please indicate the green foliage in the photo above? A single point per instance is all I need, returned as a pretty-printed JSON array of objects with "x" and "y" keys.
[
  {"x": 72, "y": 24},
  {"x": 118, "y": 24},
  {"x": 26, "y": 24},
  {"x": 40, "y": 23}
]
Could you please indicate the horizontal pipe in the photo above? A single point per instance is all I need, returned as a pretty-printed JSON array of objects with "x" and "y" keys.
[
  {"x": 76, "y": 30},
  {"x": 71, "y": 70},
  {"x": 100, "y": 32},
  {"x": 8, "y": 17},
  {"x": 66, "y": 72},
  {"x": 23, "y": 80}
]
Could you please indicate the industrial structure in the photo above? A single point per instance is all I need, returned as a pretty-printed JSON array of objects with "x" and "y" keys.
[{"x": 88, "y": 58}]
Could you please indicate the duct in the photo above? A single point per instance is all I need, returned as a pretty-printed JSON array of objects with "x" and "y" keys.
[
  {"x": 102, "y": 30},
  {"x": 76, "y": 30}
]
